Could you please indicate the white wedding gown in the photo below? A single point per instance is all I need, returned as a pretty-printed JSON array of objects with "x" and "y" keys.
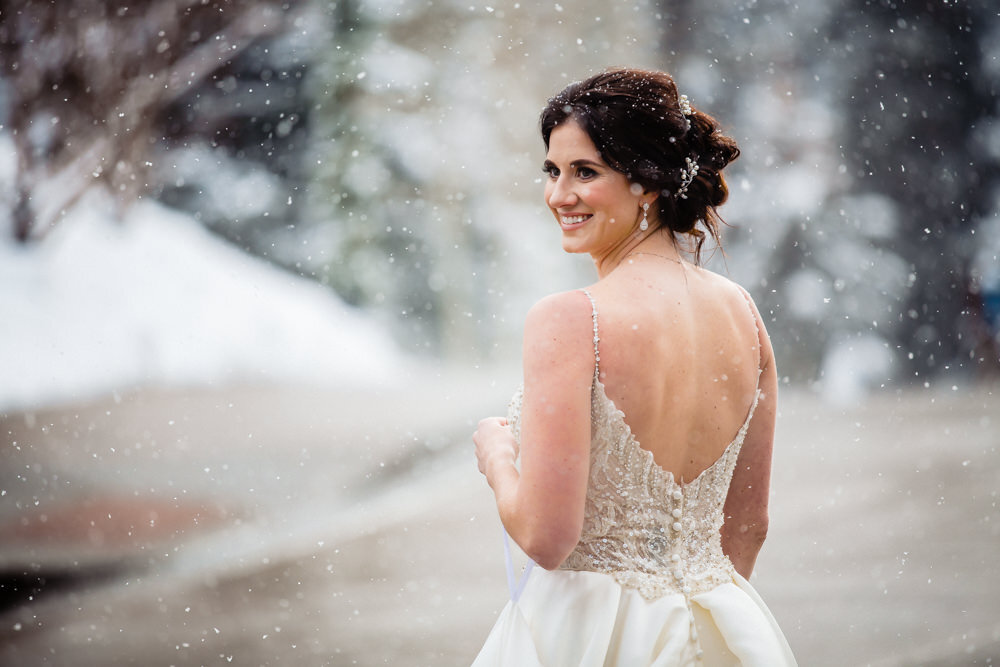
[{"x": 648, "y": 583}]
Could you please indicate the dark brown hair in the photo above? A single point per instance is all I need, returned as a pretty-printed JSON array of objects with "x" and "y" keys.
[{"x": 635, "y": 121}]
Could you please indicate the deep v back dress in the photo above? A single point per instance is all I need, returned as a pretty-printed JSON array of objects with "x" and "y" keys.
[{"x": 647, "y": 583}]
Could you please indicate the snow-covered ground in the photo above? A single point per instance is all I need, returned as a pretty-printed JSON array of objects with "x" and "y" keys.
[{"x": 102, "y": 305}]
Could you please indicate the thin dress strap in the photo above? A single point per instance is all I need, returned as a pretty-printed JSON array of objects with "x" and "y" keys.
[
  {"x": 756, "y": 326},
  {"x": 597, "y": 338}
]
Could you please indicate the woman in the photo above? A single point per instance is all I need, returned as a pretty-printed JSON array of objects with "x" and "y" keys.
[{"x": 646, "y": 420}]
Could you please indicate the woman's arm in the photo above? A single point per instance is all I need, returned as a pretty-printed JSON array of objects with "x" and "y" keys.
[
  {"x": 542, "y": 505},
  {"x": 745, "y": 511}
]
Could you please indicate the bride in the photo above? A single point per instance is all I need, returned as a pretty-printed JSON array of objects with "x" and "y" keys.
[{"x": 645, "y": 423}]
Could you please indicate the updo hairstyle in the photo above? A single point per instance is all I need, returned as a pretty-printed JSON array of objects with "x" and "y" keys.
[{"x": 635, "y": 120}]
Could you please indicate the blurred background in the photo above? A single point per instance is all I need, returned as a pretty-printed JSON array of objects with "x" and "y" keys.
[{"x": 263, "y": 265}]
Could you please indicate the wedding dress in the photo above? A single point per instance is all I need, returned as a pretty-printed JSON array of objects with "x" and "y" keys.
[{"x": 648, "y": 583}]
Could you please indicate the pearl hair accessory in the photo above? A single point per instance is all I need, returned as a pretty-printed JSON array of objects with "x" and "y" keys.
[
  {"x": 688, "y": 173},
  {"x": 690, "y": 169},
  {"x": 644, "y": 225},
  {"x": 685, "y": 105}
]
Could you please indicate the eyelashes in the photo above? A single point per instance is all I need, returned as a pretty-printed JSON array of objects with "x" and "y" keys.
[{"x": 552, "y": 171}]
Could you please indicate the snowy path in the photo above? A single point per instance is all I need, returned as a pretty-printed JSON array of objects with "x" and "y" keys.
[{"x": 366, "y": 536}]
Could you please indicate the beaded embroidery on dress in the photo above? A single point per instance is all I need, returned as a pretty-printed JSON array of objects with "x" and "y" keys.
[
  {"x": 649, "y": 531},
  {"x": 651, "y": 549}
]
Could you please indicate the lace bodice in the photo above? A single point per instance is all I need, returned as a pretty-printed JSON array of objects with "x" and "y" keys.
[{"x": 651, "y": 532}]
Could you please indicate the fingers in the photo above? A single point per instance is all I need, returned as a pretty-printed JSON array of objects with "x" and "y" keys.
[
  {"x": 488, "y": 421},
  {"x": 487, "y": 424},
  {"x": 492, "y": 435}
]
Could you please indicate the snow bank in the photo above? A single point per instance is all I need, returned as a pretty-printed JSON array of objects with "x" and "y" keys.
[{"x": 101, "y": 306}]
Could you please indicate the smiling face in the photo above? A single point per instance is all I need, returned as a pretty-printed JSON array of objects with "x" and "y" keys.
[{"x": 596, "y": 207}]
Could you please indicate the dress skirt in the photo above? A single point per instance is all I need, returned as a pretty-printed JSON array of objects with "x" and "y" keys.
[{"x": 587, "y": 619}]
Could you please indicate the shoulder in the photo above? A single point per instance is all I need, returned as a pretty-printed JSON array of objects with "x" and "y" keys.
[
  {"x": 735, "y": 293},
  {"x": 559, "y": 330},
  {"x": 562, "y": 313},
  {"x": 746, "y": 298},
  {"x": 746, "y": 301},
  {"x": 722, "y": 283}
]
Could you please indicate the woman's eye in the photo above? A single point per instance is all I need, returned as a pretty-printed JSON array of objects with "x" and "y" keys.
[
  {"x": 551, "y": 170},
  {"x": 586, "y": 172}
]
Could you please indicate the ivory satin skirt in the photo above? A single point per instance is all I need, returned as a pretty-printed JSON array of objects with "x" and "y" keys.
[{"x": 587, "y": 619}]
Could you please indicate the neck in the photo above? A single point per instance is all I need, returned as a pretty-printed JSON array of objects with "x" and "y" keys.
[{"x": 653, "y": 243}]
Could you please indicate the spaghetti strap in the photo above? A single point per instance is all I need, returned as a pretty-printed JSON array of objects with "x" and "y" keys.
[
  {"x": 597, "y": 338},
  {"x": 756, "y": 326}
]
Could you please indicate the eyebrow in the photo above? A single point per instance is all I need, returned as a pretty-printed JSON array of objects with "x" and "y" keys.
[{"x": 583, "y": 162}]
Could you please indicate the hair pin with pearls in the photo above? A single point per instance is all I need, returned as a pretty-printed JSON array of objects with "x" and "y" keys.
[{"x": 688, "y": 173}]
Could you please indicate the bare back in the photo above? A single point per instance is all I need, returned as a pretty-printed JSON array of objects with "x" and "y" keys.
[{"x": 680, "y": 357}]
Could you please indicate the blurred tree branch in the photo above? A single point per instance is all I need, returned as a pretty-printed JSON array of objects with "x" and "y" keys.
[{"x": 88, "y": 83}]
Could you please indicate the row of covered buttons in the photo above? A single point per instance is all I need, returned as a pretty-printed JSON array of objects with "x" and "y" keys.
[
  {"x": 676, "y": 558},
  {"x": 677, "y": 495}
]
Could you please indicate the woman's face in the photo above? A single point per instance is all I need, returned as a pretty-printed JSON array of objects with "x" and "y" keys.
[{"x": 593, "y": 204}]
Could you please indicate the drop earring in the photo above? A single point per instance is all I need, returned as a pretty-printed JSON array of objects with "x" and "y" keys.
[{"x": 644, "y": 225}]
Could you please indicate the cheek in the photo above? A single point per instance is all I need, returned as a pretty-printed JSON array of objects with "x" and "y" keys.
[{"x": 596, "y": 197}]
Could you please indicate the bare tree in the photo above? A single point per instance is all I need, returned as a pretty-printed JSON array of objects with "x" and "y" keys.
[{"x": 87, "y": 83}]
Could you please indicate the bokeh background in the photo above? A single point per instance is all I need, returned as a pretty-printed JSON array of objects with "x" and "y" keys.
[{"x": 264, "y": 264}]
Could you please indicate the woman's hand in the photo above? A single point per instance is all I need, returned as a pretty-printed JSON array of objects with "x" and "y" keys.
[{"x": 495, "y": 444}]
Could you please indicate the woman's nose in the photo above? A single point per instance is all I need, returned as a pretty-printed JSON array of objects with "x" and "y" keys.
[{"x": 561, "y": 194}]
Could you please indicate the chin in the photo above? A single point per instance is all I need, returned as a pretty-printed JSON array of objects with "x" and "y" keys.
[{"x": 573, "y": 246}]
